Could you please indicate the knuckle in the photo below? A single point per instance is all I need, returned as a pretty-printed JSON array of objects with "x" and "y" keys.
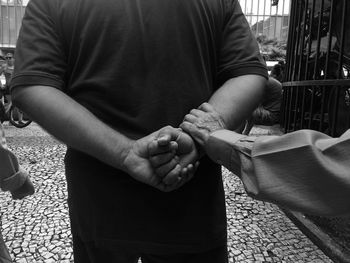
[{"x": 187, "y": 116}]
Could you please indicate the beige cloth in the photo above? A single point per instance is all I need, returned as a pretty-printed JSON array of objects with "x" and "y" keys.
[
  {"x": 12, "y": 178},
  {"x": 306, "y": 170}
]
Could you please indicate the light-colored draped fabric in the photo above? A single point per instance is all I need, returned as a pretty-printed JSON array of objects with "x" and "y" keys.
[{"x": 306, "y": 170}]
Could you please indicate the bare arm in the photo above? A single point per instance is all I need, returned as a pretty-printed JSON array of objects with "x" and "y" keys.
[
  {"x": 72, "y": 123},
  {"x": 229, "y": 106},
  {"x": 77, "y": 127},
  {"x": 237, "y": 98},
  {"x": 304, "y": 170}
]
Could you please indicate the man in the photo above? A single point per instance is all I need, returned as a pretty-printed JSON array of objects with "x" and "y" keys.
[
  {"x": 305, "y": 170},
  {"x": 105, "y": 77},
  {"x": 7, "y": 69}
]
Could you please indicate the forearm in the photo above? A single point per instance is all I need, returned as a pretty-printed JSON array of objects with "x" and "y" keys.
[
  {"x": 305, "y": 171},
  {"x": 237, "y": 98},
  {"x": 72, "y": 123}
]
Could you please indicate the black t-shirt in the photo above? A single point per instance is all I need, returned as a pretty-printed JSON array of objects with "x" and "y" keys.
[{"x": 138, "y": 66}]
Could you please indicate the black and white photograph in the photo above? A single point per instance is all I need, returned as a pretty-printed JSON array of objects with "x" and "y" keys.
[{"x": 174, "y": 131}]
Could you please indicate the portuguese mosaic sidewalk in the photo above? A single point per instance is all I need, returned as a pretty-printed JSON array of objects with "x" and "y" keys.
[{"x": 36, "y": 229}]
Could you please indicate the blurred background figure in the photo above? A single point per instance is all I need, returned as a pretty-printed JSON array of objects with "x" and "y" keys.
[
  {"x": 268, "y": 112},
  {"x": 2, "y": 80},
  {"x": 6, "y": 69},
  {"x": 277, "y": 72}
]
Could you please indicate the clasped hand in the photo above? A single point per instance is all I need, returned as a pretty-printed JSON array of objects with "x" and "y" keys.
[
  {"x": 165, "y": 159},
  {"x": 168, "y": 158}
]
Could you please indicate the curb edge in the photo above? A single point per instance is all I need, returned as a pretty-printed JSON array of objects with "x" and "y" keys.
[{"x": 321, "y": 239}]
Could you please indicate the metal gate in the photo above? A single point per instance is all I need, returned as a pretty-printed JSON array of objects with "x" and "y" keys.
[
  {"x": 269, "y": 18},
  {"x": 317, "y": 80},
  {"x": 11, "y": 14}
]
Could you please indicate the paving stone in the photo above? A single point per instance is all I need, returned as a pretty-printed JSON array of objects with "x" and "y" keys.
[{"x": 37, "y": 229}]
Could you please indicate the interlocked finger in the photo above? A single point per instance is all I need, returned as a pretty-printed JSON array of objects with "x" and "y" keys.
[
  {"x": 173, "y": 176},
  {"x": 154, "y": 148},
  {"x": 161, "y": 159},
  {"x": 190, "y": 118},
  {"x": 197, "y": 113},
  {"x": 168, "y": 170},
  {"x": 206, "y": 107}
]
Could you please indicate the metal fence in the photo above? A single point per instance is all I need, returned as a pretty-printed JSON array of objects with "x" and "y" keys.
[
  {"x": 269, "y": 18},
  {"x": 317, "y": 80},
  {"x": 266, "y": 17},
  {"x": 11, "y": 14}
]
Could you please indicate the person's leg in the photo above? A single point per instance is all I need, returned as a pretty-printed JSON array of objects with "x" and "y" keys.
[
  {"x": 217, "y": 255},
  {"x": 88, "y": 252}
]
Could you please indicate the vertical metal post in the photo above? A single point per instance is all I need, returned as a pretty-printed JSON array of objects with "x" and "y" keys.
[
  {"x": 297, "y": 44},
  {"x": 282, "y": 19},
  {"x": 301, "y": 50},
  {"x": 15, "y": 6},
  {"x": 291, "y": 41},
  {"x": 264, "y": 17},
  {"x": 330, "y": 37},
  {"x": 320, "y": 20},
  {"x": 335, "y": 112},
  {"x": 269, "y": 20},
  {"x": 257, "y": 19},
  {"x": 8, "y": 21},
  {"x": 342, "y": 40},
  {"x": 311, "y": 108},
  {"x": 1, "y": 25},
  {"x": 275, "y": 27},
  {"x": 323, "y": 107},
  {"x": 251, "y": 13},
  {"x": 311, "y": 18},
  {"x": 296, "y": 108},
  {"x": 302, "y": 114}
]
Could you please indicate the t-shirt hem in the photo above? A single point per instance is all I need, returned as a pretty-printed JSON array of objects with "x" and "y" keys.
[
  {"x": 36, "y": 78},
  {"x": 240, "y": 70}
]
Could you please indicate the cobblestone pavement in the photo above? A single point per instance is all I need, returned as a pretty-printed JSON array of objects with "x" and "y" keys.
[{"x": 36, "y": 229}]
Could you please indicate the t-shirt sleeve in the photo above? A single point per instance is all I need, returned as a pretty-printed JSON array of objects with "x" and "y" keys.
[
  {"x": 239, "y": 53},
  {"x": 39, "y": 57}
]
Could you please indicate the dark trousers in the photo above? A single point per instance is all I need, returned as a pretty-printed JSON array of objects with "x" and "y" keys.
[{"x": 87, "y": 252}]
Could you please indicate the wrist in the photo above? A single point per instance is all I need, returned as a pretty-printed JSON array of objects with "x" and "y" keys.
[
  {"x": 125, "y": 155},
  {"x": 200, "y": 149}
]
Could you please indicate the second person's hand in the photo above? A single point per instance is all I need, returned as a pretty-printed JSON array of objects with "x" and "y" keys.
[{"x": 201, "y": 122}]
